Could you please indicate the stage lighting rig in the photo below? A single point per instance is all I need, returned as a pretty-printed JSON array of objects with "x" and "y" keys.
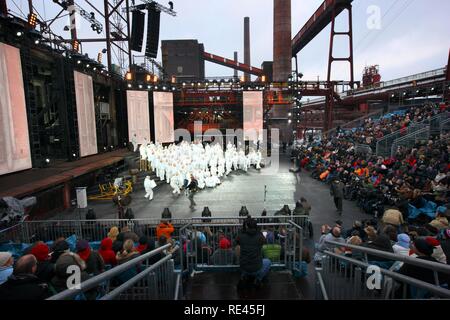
[
  {"x": 150, "y": 3},
  {"x": 89, "y": 16}
]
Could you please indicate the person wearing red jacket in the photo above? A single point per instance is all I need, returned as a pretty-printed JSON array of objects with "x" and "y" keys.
[{"x": 107, "y": 253}]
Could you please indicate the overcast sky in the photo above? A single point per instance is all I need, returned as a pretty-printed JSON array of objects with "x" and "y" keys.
[{"x": 414, "y": 35}]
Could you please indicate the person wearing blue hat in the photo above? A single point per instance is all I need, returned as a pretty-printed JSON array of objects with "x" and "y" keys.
[{"x": 402, "y": 245}]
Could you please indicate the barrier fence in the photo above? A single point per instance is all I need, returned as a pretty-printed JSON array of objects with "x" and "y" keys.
[{"x": 373, "y": 276}]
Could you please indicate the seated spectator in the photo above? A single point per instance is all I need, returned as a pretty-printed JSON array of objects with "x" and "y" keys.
[
  {"x": 382, "y": 243},
  {"x": 271, "y": 250},
  {"x": 444, "y": 238},
  {"x": 113, "y": 233},
  {"x": 107, "y": 253},
  {"x": 402, "y": 245},
  {"x": 6, "y": 266},
  {"x": 143, "y": 245},
  {"x": 224, "y": 255},
  {"x": 423, "y": 251},
  {"x": 438, "y": 253},
  {"x": 357, "y": 230},
  {"x": 45, "y": 269},
  {"x": 391, "y": 232},
  {"x": 165, "y": 228},
  {"x": 128, "y": 252},
  {"x": 117, "y": 246},
  {"x": 94, "y": 261},
  {"x": 250, "y": 241},
  {"x": 441, "y": 221},
  {"x": 60, "y": 283},
  {"x": 59, "y": 247},
  {"x": 371, "y": 233},
  {"x": 334, "y": 235},
  {"x": 126, "y": 234},
  {"x": 349, "y": 252},
  {"x": 23, "y": 283},
  {"x": 392, "y": 216}
]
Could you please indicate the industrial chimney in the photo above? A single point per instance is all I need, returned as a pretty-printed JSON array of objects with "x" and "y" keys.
[
  {"x": 282, "y": 41},
  {"x": 236, "y": 60},
  {"x": 247, "y": 46}
]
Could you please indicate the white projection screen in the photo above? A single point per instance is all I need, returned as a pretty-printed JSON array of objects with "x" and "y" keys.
[
  {"x": 15, "y": 154},
  {"x": 138, "y": 116},
  {"x": 164, "y": 121},
  {"x": 87, "y": 131},
  {"x": 253, "y": 115}
]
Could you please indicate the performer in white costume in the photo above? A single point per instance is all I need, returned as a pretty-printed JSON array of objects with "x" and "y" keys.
[
  {"x": 149, "y": 185},
  {"x": 176, "y": 164}
]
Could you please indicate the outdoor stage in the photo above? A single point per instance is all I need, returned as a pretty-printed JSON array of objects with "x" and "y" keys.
[{"x": 59, "y": 175}]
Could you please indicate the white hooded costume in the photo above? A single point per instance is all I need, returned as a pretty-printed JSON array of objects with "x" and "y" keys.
[{"x": 149, "y": 185}]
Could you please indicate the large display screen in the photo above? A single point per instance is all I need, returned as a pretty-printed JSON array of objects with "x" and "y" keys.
[
  {"x": 164, "y": 121},
  {"x": 138, "y": 117},
  {"x": 253, "y": 115},
  {"x": 15, "y": 154},
  {"x": 87, "y": 131}
]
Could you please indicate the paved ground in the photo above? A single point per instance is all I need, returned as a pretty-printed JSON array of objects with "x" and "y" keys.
[{"x": 236, "y": 190}]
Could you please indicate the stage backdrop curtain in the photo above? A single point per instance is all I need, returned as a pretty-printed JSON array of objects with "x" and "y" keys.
[
  {"x": 138, "y": 117},
  {"x": 253, "y": 115},
  {"x": 15, "y": 154},
  {"x": 164, "y": 121},
  {"x": 87, "y": 130}
]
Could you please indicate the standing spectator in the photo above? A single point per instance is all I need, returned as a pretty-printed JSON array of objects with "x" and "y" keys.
[
  {"x": 107, "y": 253},
  {"x": 250, "y": 241},
  {"x": 165, "y": 228},
  {"x": 6, "y": 266},
  {"x": 23, "y": 283},
  {"x": 337, "y": 192},
  {"x": 45, "y": 269},
  {"x": 94, "y": 261},
  {"x": 444, "y": 238}
]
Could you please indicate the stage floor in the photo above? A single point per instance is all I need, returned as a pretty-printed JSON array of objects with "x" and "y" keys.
[
  {"x": 236, "y": 190},
  {"x": 27, "y": 182}
]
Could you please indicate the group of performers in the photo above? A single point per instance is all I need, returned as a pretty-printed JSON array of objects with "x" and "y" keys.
[{"x": 180, "y": 165}]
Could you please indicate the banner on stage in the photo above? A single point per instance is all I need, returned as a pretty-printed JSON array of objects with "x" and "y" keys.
[
  {"x": 164, "y": 120},
  {"x": 87, "y": 129},
  {"x": 138, "y": 117},
  {"x": 253, "y": 115},
  {"x": 15, "y": 153}
]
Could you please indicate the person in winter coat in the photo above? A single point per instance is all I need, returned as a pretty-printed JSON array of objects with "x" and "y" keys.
[
  {"x": 107, "y": 253},
  {"x": 45, "y": 269},
  {"x": 250, "y": 241},
  {"x": 224, "y": 255},
  {"x": 70, "y": 260},
  {"x": 128, "y": 252},
  {"x": 6, "y": 266},
  {"x": 23, "y": 284},
  {"x": 94, "y": 261},
  {"x": 337, "y": 192},
  {"x": 165, "y": 228},
  {"x": 402, "y": 246}
]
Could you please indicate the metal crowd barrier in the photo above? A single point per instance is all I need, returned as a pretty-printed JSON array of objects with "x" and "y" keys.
[
  {"x": 96, "y": 230},
  {"x": 157, "y": 281},
  {"x": 202, "y": 251},
  {"x": 342, "y": 277}
]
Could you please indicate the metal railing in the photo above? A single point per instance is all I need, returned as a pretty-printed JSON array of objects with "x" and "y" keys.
[
  {"x": 344, "y": 277},
  {"x": 384, "y": 145},
  {"x": 96, "y": 230},
  {"x": 156, "y": 281},
  {"x": 411, "y": 139},
  {"x": 202, "y": 251}
]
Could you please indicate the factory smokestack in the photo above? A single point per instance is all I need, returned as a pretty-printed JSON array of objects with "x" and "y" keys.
[
  {"x": 282, "y": 40},
  {"x": 247, "y": 46}
]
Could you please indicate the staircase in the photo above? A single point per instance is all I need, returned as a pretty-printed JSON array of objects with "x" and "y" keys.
[{"x": 280, "y": 285}]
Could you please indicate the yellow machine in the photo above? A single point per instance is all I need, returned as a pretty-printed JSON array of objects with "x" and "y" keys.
[{"x": 110, "y": 190}]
